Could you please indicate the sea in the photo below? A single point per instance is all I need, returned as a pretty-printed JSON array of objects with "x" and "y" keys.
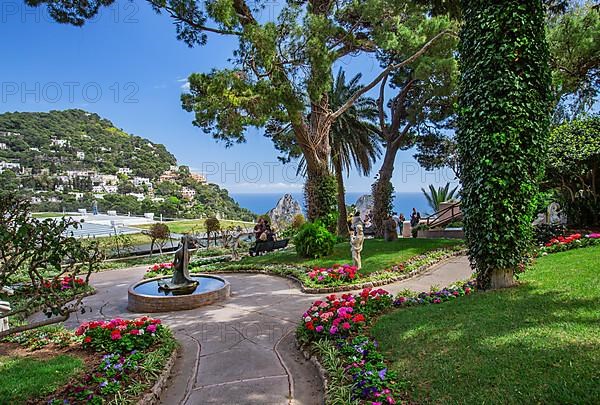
[{"x": 260, "y": 203}]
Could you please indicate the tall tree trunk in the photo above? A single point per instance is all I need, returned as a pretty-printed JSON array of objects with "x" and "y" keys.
[
  {"x": 313, "y": 139},
  {"x": 382, "y": 189},
  {"x": 342, "y": 223},
  {"x": 501, "y": 278}
]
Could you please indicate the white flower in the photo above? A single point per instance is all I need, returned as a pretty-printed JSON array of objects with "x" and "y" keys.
[{"x": 307, "y": 319}]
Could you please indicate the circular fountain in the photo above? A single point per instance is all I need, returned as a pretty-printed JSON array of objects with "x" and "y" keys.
[
  {"x": 148, "y": 296},
  {"x": 178, "y": 292}
]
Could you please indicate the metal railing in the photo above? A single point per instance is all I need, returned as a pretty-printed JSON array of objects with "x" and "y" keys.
[{"x": 445, "y": 216}]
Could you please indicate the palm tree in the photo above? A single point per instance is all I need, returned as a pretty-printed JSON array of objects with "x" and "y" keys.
[
  {"x": 353, "y": 138},
  {"x": 435, "y": 197}
]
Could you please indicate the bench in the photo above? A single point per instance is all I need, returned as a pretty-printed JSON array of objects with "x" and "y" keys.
[{"x": 269, "y": 246}]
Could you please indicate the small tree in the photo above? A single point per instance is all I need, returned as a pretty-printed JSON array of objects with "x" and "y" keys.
[
  {"x": 574, "y": 169},
  {"x": 159, "y": 233},
  {"x": 504, "y": 106},
  {"x": 298, "y": 221},
  {"x": 212, "y": 226},
  {"x": 43, "y": 252}
]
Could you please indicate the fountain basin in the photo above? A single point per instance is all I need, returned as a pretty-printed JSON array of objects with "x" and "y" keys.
[{"x": 145, "y": 296}]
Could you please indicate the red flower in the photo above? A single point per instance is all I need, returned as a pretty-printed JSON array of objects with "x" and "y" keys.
[
  {"x": 358, "y": 318},
  {"x": 87, "y": 339},
  {"x": 115, "y": 334}
]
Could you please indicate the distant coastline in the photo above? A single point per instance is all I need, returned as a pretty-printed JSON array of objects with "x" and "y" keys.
[{"x": 260, "y": 203}]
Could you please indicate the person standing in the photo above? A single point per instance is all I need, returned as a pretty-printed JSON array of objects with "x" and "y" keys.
[
  {"x": 95, "y": 207},
  {"x": 414, "y": 218},
  {"x": 401, "y": 220},
  {"x": 396, "y": 219}
]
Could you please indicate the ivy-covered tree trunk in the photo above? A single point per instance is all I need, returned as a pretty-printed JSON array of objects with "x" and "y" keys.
[
  {"x": 503, "y": 124},
  {"x": 320, "y": 187}
]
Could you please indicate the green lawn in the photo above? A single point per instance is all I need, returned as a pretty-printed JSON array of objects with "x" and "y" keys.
[
  {"x": 377, "y": 254},
  {"x": 22, "y": 378},
  {"x": 197, "y": 225},
  {"x": 536, "y": 343},
  {"x": 46, "y": 214}
]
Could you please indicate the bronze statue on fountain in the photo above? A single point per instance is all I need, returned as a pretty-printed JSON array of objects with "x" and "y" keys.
[{"x": 181, "y": 283}]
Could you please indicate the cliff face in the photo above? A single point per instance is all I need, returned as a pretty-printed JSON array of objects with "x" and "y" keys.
[
  {"x": 285, "y": 210},
  {"x": 364, "y": 205}
]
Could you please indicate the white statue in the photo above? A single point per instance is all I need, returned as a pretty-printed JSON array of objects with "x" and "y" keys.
[
  {"x": 4, "y": 308},
  {"x": 356, "y": 244}
]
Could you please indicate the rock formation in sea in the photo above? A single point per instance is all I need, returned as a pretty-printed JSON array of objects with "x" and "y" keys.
[
  {"x": 285, "y": 210},
  {"x": 364, "y": 205}
]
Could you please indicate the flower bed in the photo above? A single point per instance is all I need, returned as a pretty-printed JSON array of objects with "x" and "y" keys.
[
  {"x": 63, "y": 289},
  {"x": 435, "y": 297},
  {"x": 372, "y": 381},
  {"x": 120, "y": 335},
  {"x": 44, "y": 336},
  {"x": 409, "y": 268},
  {"x": 334, "y": 328},
  {"x": 64, "y": 283},
  {"x": 573, "y": 241},
  {"x": 159, "y": 269},
  {"x": 165, "y": 269},
  {"x": 340, "y": 316},
  {"x": 335, "y": 275},
  {"x": 130, "y": 356}
]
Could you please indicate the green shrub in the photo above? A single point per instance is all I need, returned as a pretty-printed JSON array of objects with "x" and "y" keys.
[
  {"x": 298, "y": 221},
  {"x": 314, "y": 240}
]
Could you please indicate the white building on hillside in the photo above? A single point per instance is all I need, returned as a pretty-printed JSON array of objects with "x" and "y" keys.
[
  {"x": 80, "y": 155},
  {"x": 140, "y": 181},
  {"x": 59, "y": 142},
  {"x": 139, "y": 196},
  {"x": 188, "y": 193},
  {"x": 10, "y": 166},
  {"x": 124, "y": 170},
  {"x": 3, "y": 146}
]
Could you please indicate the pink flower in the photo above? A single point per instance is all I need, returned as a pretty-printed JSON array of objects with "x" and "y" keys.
[
  {"x": 345, "y": 326},
  {"x": 151, "y": 328},
  {"x": 115, "y": 335},
  {"x": 333, "y": 330},
  {"x": 319, "y": 328}
]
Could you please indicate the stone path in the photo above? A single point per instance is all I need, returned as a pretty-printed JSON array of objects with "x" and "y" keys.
[{"x": 242, "y": 351}]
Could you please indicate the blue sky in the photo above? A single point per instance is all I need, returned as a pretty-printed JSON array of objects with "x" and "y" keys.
[{"x": 128, "y": 66}]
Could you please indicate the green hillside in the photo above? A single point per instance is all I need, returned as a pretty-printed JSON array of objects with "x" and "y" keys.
[
  {"x": 67, "y": 159},
  {"x": 106, "y": 147}
]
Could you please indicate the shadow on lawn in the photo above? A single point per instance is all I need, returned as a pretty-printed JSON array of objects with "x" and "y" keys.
[{"x": 518, "y": 345}]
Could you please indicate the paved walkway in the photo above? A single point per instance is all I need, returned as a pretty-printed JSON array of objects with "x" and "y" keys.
[{"x": 242, "y": 351}]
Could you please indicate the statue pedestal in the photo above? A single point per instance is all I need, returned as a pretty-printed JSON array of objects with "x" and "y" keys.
[{"x": 406, "y": 230}]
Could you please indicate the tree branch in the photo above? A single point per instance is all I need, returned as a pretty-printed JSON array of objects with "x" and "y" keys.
[
  {"x": 381, "y": 111},
  {"x": 398, "y": 105},
  {"x": 178, "y": 17},
  {"x": 385, "y": 72}
]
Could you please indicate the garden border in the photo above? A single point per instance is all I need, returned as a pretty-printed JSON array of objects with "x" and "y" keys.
[
  {"x": 153, "y": 396},
  {"x": 351, "y": 287}
]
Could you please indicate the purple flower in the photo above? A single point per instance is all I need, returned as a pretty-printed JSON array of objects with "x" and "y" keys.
[{"x": 382, "y": 373}]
